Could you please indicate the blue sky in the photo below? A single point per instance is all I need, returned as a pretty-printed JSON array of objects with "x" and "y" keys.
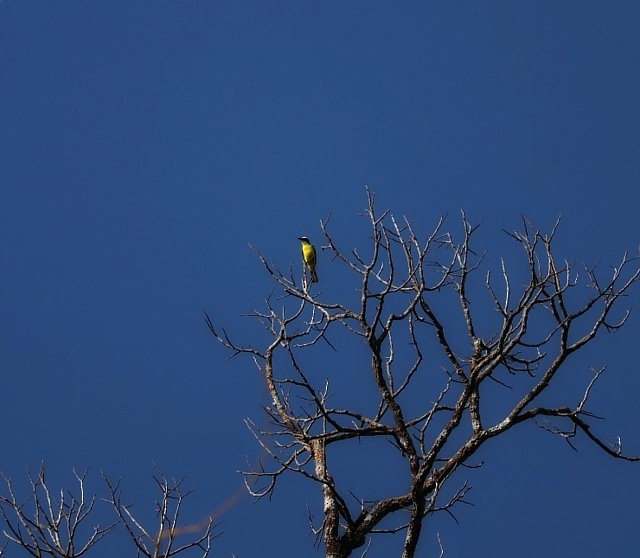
[{"x": 144, "y": 144}]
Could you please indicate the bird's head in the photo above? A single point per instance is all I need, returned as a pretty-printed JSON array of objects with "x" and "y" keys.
[{"x": 304, "y": 240}]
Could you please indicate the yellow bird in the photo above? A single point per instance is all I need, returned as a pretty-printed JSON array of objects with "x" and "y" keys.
[{"x": 309, "y": 257}]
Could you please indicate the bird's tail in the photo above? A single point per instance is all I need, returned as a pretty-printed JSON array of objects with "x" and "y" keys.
[{"x": 314, "y": 276}]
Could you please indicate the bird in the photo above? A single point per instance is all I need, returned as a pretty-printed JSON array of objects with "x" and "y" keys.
[{"x": 309, "y": 257}]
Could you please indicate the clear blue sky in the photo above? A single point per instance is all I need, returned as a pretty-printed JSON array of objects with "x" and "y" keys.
[{"x": 143, "y": 144}]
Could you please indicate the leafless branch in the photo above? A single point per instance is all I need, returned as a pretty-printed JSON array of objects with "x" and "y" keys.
[
  {"x": 51, "y": 523},
  {"x": 162, "y": 541},
  {"x": 425, "y": 328}
]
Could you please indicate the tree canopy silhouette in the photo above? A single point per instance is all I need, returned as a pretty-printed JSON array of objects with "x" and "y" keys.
[{"x": 448, "y": 375}]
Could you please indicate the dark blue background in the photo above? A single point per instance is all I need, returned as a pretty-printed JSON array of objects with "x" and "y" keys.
[{"x": 144, "y": 144}]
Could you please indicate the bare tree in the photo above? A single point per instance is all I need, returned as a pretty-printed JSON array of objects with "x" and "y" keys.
[
  {"x": 51, "y": 523},
  {"x": 162, "y": 541},
  {"x": 415, "y": 316}
]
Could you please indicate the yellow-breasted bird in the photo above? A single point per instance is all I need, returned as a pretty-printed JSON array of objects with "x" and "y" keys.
[{"x": 309, "y": 257}]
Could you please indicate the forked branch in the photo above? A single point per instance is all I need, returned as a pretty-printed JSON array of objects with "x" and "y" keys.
[{"x": 51, "y": 523}]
